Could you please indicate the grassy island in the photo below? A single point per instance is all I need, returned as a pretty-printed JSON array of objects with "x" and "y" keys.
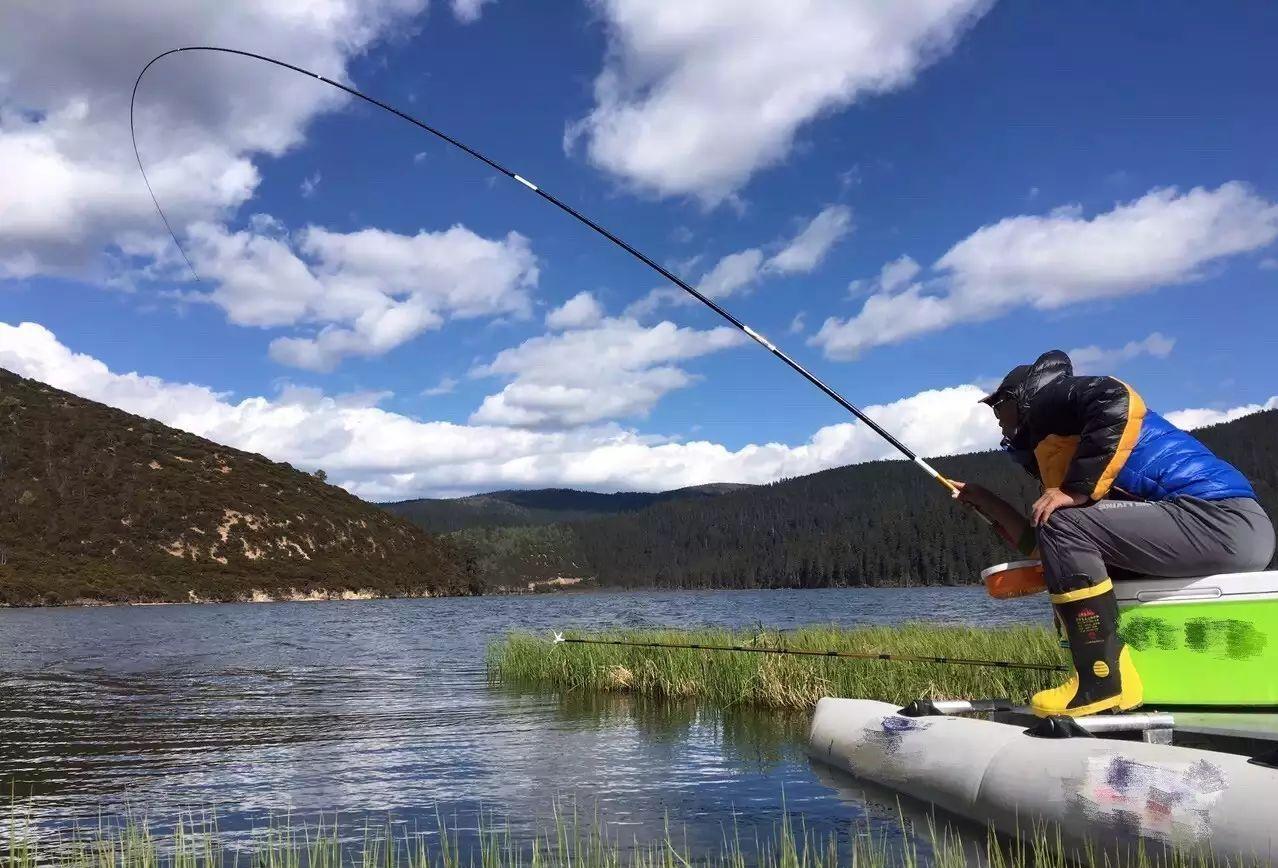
[{"x": 727, "y": 679}]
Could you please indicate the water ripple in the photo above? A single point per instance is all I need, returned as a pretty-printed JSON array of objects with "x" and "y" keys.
[{"x": 382, "y": 706}]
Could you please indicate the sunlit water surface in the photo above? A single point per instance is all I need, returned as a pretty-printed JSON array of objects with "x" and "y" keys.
[{"x": 382, "y": 709}]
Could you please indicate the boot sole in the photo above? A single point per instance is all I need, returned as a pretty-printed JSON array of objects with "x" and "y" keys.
[
  {"x": 1113, "y": 703},
  {"x": 1131, "y": 696}
]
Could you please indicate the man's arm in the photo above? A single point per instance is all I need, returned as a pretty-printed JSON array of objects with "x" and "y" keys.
[{"x": 1009, "y": 523}]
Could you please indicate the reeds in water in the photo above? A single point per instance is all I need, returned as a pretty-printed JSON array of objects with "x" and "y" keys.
[
  {"x": 569, "y": 841},
  {"x": 725, "y": 678}
]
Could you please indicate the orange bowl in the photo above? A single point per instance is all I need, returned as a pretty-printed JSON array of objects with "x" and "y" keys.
[{"x": 1015, "y": 579}]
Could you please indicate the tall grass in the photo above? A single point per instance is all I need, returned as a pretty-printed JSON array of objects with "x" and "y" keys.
[
  {"x": 728, "y": 679},
  {"x": 569, "y": 841}
]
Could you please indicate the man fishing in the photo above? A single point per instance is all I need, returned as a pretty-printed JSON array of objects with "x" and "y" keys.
[
  {"x": 1125, "y": 493},
  {"x": 1142, "y": 496}
]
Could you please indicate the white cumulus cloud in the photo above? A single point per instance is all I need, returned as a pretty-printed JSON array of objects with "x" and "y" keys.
[
  {"x": 577, "y": 312},
  {"x": 892, "y": 276},
  {"x": 446, "y": 386},
  {"x": 71, "y": 188},
  {"x": 732, "y": 273},
  {"x": 468, "y": 11},
  {"x": 898, "y": 273},
  {"x": 1200, "y": 417},
  {"x": 1100, "y": 360},
  {"x": 310, "y": 184},
  {"x": 743, "y": 270},
  {"x": 697, "y": 96},
  {"x": 367, "y": 291},
  {"x": 382, "y": 455},
  {"x": 614, "y": 369},
  {"x": 1063, "y": 258},
  {"x": 809, "y": 248}
]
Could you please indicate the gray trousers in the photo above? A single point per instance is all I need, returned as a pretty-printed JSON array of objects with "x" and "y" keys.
[{"x": 1171, "y": 539}]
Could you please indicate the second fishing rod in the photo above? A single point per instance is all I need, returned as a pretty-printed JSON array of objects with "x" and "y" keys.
[
  {"x": 829, "y": 654},
  {"x": 561, "y": 205}
]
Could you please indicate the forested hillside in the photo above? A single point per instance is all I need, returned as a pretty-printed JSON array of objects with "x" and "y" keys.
[
  {"x": 882, "y": 523},
  {"x": 98, "y": 504},
  {"x": 537, "y": 507}
]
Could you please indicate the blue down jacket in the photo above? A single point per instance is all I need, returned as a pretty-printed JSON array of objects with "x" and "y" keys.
[{"x": 1094, "y": 436}]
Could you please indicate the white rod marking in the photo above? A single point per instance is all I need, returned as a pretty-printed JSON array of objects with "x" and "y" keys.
[
  {"x": 529, "y": 184},
  {"x": 928, "y": 467},
  {"x": 758, "y": 337}
]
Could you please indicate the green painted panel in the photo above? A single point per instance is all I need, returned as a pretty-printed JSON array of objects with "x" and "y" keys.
[{"x": 1213, "y": 652}]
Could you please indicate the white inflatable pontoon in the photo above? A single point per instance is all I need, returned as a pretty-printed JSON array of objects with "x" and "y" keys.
[{"x": 1103, "y": 794}]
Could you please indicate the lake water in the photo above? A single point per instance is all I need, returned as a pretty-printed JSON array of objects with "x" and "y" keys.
[{"x": 382, "y": 708}]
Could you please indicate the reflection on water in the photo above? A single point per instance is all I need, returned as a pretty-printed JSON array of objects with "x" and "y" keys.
[
  {"x": 382, "y": 707},
  {"x": 751, "y": 740}
]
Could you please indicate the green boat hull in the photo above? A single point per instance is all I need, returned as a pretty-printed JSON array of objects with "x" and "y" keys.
[{"x": 1211, "y": 652}]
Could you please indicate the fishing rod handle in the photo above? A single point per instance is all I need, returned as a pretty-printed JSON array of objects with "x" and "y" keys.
[{"x": 954, "y": 490}]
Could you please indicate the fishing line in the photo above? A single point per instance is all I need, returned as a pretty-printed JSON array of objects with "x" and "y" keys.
[
  {"x": 846, "y": 655},
  {"x": 558, "y": 203}
]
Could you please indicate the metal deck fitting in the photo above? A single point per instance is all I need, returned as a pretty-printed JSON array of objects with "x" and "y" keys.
[
  {"x": 1261, "y": 726},
  {"x": 1154, "y": 727},
  {"x": 1246, "y": 732}
]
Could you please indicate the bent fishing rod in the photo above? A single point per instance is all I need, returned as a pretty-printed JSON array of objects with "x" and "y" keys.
[
  {"x": 846, "y": 655},
  {"x": 558, "y": 203}
]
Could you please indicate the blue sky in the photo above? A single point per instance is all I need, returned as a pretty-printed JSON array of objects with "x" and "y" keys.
[{"x": 1058, "y": 176}]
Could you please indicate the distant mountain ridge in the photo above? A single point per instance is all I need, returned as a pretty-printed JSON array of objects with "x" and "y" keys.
[
  {"x": 100, "y": 505},
  {"x": 880, "y": 523},
  {"x": 538, "y": 506}
]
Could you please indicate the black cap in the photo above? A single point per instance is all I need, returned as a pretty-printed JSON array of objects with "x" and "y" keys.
[{"x": 1008, "y": 387}]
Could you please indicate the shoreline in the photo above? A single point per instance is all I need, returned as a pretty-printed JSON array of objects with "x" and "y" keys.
[
  {"x": 256, "y": 597},
  {"x": 320, "y": 595},
  {"x": 259, "y": 597}
]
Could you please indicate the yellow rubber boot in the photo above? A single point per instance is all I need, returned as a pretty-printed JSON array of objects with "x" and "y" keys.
[{"x": 1104, "y": 679}]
